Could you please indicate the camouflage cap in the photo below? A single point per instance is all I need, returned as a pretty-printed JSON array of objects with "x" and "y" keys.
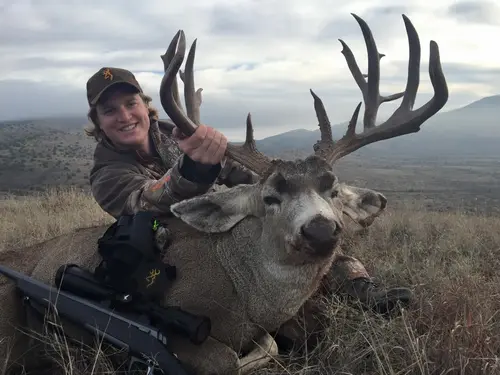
[{"x": 105, "y": 78}]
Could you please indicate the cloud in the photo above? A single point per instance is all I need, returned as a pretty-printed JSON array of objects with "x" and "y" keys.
[
  {"x": 481, "y": 12},
  {"x": 252, "y": 55}
]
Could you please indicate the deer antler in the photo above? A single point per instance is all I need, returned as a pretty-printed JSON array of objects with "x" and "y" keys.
[
  {"x": 246, "y": 154},
  {"x": 404, "y": 120}
]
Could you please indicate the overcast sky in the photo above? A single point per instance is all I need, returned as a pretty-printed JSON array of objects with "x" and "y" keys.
[{"x": 261, "y": 56}]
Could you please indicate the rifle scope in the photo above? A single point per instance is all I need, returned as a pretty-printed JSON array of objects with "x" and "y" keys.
[{"x": 81, "y": 282}]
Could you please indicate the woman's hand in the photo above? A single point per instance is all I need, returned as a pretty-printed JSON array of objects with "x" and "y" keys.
[{"x": 206, "y": 145}]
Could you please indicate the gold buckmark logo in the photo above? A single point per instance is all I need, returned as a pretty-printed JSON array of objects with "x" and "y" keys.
[
  {"x": 152, "y": 277},
  {"x": 107, "y": 74}
]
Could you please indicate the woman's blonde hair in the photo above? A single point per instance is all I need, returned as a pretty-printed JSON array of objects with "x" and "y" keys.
[{"x": 94, "y": 130}]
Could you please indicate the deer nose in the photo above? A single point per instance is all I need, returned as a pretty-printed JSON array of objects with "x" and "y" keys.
[{"x": 321, "y": 234}]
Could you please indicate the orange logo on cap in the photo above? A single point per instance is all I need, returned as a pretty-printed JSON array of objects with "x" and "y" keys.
[{"x": 107, "y": 74}]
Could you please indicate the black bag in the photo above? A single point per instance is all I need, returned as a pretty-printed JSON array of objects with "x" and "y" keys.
[{"x": 131, "y": 261}]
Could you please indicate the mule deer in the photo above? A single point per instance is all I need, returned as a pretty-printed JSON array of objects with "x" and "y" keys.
[{"x": 250, "y": 256}]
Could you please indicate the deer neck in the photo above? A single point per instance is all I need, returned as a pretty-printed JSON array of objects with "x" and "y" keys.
[{"x": 271, "y": 292}]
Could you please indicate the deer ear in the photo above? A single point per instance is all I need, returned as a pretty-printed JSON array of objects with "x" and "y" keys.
[
  {"x": 361, "y": 205},
  {"x": 218, "y": 211}
]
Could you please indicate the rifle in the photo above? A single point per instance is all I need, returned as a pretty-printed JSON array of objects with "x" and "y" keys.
[{"x": 139, "y": 339}]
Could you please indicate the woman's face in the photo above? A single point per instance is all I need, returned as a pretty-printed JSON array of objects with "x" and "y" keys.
[{"x": 124, "y": 118}]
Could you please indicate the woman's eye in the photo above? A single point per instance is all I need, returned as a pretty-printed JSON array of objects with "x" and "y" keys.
[{"x": 271, "y": 200}]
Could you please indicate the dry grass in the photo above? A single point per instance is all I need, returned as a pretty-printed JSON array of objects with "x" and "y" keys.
[
  {"x": 450, "y": 260},
  {"x": 38, "y": 217}
]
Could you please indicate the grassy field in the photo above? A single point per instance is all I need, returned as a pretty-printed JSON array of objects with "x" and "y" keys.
[
  {"x": 33, "y": 157},
  {"x": 449, "y": 259}
]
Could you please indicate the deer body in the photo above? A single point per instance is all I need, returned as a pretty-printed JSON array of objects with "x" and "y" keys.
[
  {"x": 244, "y": 260},
  {"x": 250, "y": 256},
  {"x": 233, "y": 277},
  {"x": 238, "y": 289}
]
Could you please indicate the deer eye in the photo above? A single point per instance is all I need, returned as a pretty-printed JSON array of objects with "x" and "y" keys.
[
  {"x": 326, "y": 181},
  {"x": 335, "y": 194},
  {"x": 270, "y": 200}
]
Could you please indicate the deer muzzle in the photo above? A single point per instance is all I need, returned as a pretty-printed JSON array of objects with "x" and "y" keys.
[{"x": 321, "y": 235}]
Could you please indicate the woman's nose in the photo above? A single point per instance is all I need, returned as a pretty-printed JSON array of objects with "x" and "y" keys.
[{"x": 123, "y": 114}]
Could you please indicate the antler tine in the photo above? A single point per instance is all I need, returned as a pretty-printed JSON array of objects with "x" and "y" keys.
[
  {"x": 380, "y": 55},
  {"x": 193, "y": 98},
  {"x": 246, "y": 154},
  {"x": 404, "y": 120},
  {"x": 370, "y": 89},
  {"x": 325, "y": 145},
  {"x": 166, "y": 58},
  {"x": 168, "y": 88}
]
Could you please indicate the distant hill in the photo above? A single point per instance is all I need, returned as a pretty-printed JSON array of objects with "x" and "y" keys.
[
  {"x": 469, "y": 131},
  {"x": 63, "y": 123},
  {"x": 454, "y": 161},
  {"x": 33, "y": 155}
]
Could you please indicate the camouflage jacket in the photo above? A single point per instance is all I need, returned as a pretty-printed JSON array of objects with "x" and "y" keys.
[{"x": 125, "y": 182}]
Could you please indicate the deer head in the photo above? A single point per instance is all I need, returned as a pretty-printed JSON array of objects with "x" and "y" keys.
[{"x": 300, "y": 204}]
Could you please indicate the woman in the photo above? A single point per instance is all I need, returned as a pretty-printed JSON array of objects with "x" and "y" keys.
[{"x": 142, "y": 164}]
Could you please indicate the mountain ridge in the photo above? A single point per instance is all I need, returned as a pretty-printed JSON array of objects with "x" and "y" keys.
[
  {"x": 466, "y": 128},
  {"x": 449, "y": 163}
]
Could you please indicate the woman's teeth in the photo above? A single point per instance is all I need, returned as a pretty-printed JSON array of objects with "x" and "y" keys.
[{"x": 128, "y": 128}]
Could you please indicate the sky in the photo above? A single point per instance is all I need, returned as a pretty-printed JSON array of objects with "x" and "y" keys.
[{"x": 259, "y": 56}]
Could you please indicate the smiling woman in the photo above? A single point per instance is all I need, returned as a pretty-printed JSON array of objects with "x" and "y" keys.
[
  {"x": 141, "y": 163},
  {"x": 124, "y": 117},
  {"x": 119, "y": 110}
]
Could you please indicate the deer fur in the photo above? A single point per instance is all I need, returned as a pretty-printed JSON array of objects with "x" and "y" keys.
[{"x": 241, "y": 261}]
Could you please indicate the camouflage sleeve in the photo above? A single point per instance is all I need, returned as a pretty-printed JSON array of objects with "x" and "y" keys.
[{"x": 121, "y": 189}]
